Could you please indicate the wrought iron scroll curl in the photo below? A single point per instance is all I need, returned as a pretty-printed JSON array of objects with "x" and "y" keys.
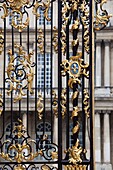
[
  {"x": 13, "y": 8},
  {"x": 63, "y": 103},
  {"x": 55, "y": 39},
  {"x": 40, "y": 41},
  {"x": 1, "y": 41},
  {"x": 84, "y": 17},
  {"x": 20, "y": 147},
  {"x": 40, "y": 106},
  {"x": 55, "y": 103},
  {"x": 44, "y": 6},
  {"x": 86, "y": 103},
  {"x": 20, "y": 72},
  {"x": 28, "y": 167},
  {"x": 1, "y": 104},
  {"x": 102, "y": 17}
]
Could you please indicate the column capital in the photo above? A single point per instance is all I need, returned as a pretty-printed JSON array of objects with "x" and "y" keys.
[
  {"x": 106, "y": 111},
  {"x": 107, "y": 42},
  {"x": 98, "y": 112},
  {"x": 98, "y": 42}
]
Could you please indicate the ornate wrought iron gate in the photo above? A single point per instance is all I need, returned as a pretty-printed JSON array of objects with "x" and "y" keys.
[{"x": 46, "y": 83}]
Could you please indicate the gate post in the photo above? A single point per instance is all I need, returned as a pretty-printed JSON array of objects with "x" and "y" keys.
[{"x": 91, "y": 81}]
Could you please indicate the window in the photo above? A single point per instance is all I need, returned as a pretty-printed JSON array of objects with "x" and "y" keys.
[
  {"x": 41, "y": 18},
  {"x": 15, "y": 15},
  {"x": 40, "y": 73},
  {"x": 39, "y": 134},
  {"x": 8, "y": 137}
]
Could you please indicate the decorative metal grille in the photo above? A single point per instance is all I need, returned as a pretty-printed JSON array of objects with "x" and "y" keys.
[{"x": 42, "y": 84}]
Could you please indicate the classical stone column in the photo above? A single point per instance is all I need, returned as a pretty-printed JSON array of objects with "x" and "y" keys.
[
  {"x": 97, "y": 138},
  {"x": 106, "y": 138},
  {"x": 107, "y": 64},
  {"x": 98, "y": 64},
  {"x": 55, "y": 130},
  {"x": 111, "y": 63},
  {"x": 87, "y": 138},
  {"x": 24, "y": 119}
]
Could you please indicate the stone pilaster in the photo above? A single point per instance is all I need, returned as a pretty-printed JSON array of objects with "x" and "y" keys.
[
  {"x": 97, "y": 138},
  {"x": 107, "y": 64},
  {"x": 98, "y": 64},
  {"x": 24, "y": 119},
  {"x": 55, "y": 130},
  {"x": 106, "y": 138},
  {"x": 111, "y": 63}
]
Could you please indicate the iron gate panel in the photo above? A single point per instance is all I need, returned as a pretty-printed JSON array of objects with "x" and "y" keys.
[{"x": 45, "y": 99}]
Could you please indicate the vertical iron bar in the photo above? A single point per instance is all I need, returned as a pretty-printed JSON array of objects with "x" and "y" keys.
[
  {"x": 20, "y": 100},
  {"x": 75, "y": 86},
  {"x": 83, "y": 87},
  {"x": 51, "y": 69},
  {"x": 67, "y": 105},
  {"x": 4, "y": 77},
  {"x": 12, "y": 91},
  {"x": 59, "y": 86},
  {"x": 36, "y": 75},
  {"x": 91, "y": 81},
  {"x": 44, "y": 75},
  {"x": 27, "y": 88},
  {"x": 11, "y": 112}
]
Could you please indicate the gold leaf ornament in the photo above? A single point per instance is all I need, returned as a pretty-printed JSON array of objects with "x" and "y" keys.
[
  {"x": 1, "y": 104},
  {"x": 40, "y": 106},
  {"x": 17, "y": 4},
  {"x": 19, "y": 148},
  {"x": 21, "y": 75},
  {"x": 44, "y": 7},
  {"x": 40, "y": 41},
  {"x": 55, "y": 103},
  {"x": 75, "y": 153},
  {"x": 1, "y": 41},
  {"x": 75, "y": 68},
  {"x": 102, "y": 16}
]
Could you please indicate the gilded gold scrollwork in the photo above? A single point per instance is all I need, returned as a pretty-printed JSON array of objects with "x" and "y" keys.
[
  {"x": 76, "y": 128},
  {"x": 55, "y": 39},
  {"x": 40, "y": 41},
  {"x": 75, "y": 167},
  {"x": 19, "y": 130},
  {"x": 19, "y": 148},
  {"x": 75, "y": 112},
  {"x": 18, "y": 24},
  {"x": 54, "y": 155},
  {"x": 44, "y": 7},
  {"x": 102, "y": 16},
  {"x": 16, "y": 13},
  {"x": 75, "y": 69},
  {"x": 75, "y": 153},
  {"x": 65, "y": 20},
  {"x": 17, "y": 4},
  {"x": 45, "y": 167},
  {"x": 55, "y": 103},
  {"x": 40, "y": 106},
  {"x": 84, "y": 15},
  {"x": 86, "y": 103},
  {"x": 63, "y": 102},
  {"x": 1, "y": 41},
  {"x": 20, "y": 73},
  {"x": 19, "y": 167},
  {"x": 1, "y": 104},
  {"x": 5, "y": 11}
]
